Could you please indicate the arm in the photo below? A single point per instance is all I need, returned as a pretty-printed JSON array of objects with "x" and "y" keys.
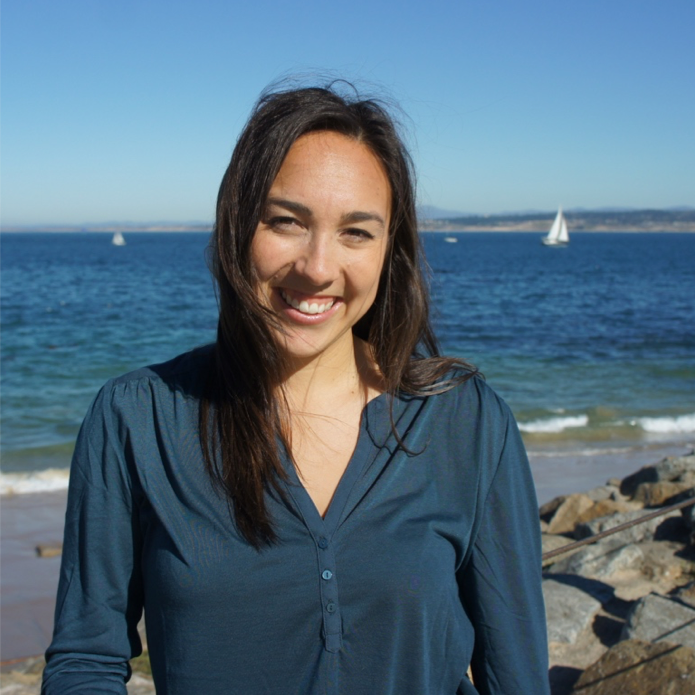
[
  {"x": 500, "y": 585},
  {"x": 99, "y": 594}
]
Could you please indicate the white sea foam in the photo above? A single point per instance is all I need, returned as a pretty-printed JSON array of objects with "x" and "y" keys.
[
  {"x": 49, "y": 480},
  {"x": 681, "y": 424},
  {"x": 554, "y": 424},
  {"x": 590, "y": 452}
]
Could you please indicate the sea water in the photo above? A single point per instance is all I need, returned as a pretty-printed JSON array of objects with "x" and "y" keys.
[{"x": 592, "y": 345}]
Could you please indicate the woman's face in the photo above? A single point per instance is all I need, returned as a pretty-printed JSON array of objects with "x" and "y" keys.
[{"x": 319, "y": 249}]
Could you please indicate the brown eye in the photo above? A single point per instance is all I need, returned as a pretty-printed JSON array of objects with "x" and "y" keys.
[
  {"x": 356, "y": 234},
  {"x": 281, "y": 223}
]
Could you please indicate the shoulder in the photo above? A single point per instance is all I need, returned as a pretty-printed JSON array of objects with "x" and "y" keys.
[
  {"x": 464, "y": 390},
  {"x": 185, "y": 372},
  {"x": 182, "y": 378},
  {"x": 471, "y": 417}
]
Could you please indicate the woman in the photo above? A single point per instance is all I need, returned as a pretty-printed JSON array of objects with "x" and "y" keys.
[{"x": 318, "y": 503}]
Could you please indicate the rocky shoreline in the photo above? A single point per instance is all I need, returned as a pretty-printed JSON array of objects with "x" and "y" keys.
[{"x": 620, "y": 611}]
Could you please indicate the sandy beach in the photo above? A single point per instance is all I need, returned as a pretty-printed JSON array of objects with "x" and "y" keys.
[
  {"x": 27, "y": 593},
  {"x": 29, "y": 581}
]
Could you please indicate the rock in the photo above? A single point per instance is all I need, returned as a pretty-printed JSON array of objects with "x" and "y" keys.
[
  {"x": 45, "y": 550},
  {"x": 660, "y": 493},
  {"x": 547, "y": 510},
  {"x": 565, "y": 518},
  {"x": 140, "y": 685},
  {"x": 602, "y": 492},
  {"x": 600, "y": 560},
  {"x": 605, "y": 507},
  {"x": 640, "y": 668},
  {"x": 688, "y": 513},
  {"x": 655, "y": 618},
  {"x": 24, "y": 678},
  {"x": 663, "y": 564},
  {"x": 634, "y": 534},
  {"x": 676, "y": 467},
  {"x": 569, "y": 611},
  {"x": 550, "y": 542},
  {"x": 686, "y": 594},
  {"x": 672, "y": 468}
]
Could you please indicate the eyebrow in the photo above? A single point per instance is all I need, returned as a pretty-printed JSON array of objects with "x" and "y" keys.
[{"x": 347, "y": 218}]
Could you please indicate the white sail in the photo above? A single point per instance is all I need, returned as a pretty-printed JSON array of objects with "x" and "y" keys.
[
  {"x": 558, "y": 234},
  {"x": 118, "y": 239},
  {"x": 563, "y": 237}
]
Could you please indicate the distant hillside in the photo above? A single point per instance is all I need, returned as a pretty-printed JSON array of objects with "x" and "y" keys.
[
  {"x": 677, "y": 220},
  {"x": 578, "y": 220}
]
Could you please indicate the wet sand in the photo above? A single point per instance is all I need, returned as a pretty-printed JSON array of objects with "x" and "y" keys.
[
  {"x": 556, "y": 473},
  {"x": 29, "y": 582}
]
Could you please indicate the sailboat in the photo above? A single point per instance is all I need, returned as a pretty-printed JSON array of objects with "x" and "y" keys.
[
  {"x": 558, "y": 235},
  {"x": 117, "y": 239}
]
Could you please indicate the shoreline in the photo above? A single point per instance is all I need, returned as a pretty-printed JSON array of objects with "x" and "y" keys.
[{"x": 32, "y": 519}]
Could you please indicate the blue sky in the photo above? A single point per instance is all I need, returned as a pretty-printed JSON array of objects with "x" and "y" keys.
[{"x": 128, "y": 110}]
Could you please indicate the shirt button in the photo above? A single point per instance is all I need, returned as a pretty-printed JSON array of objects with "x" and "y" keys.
[
  {"x": 323, "y": 543},
  {"x": 330, "y": 607},
  {"x": 326, "y": 574}
]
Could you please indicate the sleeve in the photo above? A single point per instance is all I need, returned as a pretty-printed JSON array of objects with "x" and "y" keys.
[
  {"x": 501, "y": 583},
  {"x": 99, "y": 598}
]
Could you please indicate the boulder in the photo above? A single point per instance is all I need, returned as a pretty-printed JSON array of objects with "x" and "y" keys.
[
  {"x": 603, "y": 492},
  {"x": 676, "y": 467},
  {"x": 672, "y": 468},
  {"x": 686, "y": 594},
  {"x": 660, "y": 493},
  {"x": 640, "y": 668},
  {"x": 569, "y": 611},
  {"x": 634, "y": 534},
  {"x": 565, "y": 517},
  {"x": 664, "y": 564},
  {"x": 547, "y": 510},
  {"x": 550, "y": 542},
  {"x": 606, "y": 507},
  {"x": 656, "y": 618},
  {"x": 600, "y": 560}
]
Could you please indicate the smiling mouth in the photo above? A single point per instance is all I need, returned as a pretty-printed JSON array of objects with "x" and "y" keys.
[{"x": 307, "y": 307}]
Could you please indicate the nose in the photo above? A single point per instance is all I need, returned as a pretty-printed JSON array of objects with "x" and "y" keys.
[{"x": 318, "y": 261}]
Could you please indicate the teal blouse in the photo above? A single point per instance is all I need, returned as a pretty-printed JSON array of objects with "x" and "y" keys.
[{"x": 427, "y": 560}]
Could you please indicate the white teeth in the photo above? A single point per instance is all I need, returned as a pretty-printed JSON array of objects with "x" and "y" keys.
[{"x": 304, "y": 306}]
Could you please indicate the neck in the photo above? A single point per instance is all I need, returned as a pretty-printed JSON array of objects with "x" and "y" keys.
[{"x": 314, "y": 385}]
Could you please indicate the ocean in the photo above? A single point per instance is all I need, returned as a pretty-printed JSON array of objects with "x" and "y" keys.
[{"x": 592, "y": 345}]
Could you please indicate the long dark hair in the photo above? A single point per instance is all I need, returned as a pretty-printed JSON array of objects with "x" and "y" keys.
[{"x": 242, "y": 421}]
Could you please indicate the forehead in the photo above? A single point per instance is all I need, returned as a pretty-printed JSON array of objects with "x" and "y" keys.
[{"x": 331, "y": 167}]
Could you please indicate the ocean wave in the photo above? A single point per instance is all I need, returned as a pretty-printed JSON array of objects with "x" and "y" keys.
[
  {"x": 589, "y": 452},
  {"x": 49, "y": 480},
  {"x": 554, "y": 424},
  {"x": 681, "y": 424}
]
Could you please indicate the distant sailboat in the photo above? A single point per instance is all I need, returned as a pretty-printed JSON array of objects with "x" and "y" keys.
[
  {"x": 451, "y": 239},
  {"x": 118, "y": 239},
  {"x": 558, "y": 234}
]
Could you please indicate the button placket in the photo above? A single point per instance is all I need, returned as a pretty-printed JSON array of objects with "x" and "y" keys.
[{"x": 329, "y": 596}]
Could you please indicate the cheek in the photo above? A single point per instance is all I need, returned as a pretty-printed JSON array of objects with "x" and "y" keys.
[{"x": 262, "y": 260}]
